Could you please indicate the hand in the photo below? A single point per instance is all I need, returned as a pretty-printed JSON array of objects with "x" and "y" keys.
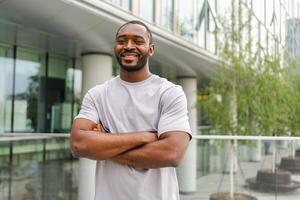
[
  {"x": 99, "y": 128},
  {"x": 150, "y": 136}
]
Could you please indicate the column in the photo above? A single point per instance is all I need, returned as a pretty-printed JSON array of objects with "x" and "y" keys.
[
  {"x": 97, "y": 68},
  {"x": 187, "y": 170}
]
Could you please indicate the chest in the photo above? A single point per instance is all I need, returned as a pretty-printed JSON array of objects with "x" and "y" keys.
[{"x": 131, "y": 108}]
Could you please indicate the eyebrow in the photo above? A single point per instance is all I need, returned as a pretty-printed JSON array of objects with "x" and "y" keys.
[{"x": 135, "y": 36}]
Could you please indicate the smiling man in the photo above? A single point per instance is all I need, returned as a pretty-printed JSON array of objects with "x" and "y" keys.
[{"x": 135, "y": 125}]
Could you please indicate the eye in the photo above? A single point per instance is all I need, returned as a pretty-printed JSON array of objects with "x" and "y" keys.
[
  {"x": 121, "y": 41},
  {"x": 139, "y": 42}
]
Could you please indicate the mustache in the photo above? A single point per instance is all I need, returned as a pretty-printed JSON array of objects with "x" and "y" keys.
[{"x": 129, "y": 51}]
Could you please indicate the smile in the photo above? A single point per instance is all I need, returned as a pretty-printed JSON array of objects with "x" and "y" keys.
[{"x": 129, "y": 55}]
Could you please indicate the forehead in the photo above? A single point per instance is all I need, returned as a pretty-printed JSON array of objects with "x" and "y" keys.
[{"x": 133, "y": 30}]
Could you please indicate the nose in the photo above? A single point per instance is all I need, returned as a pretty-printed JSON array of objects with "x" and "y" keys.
[{"x": 129, "y": 45}]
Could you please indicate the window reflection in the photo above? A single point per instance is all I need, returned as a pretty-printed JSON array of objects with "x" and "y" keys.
[
  {"x": 186, "y": 20},
  {"x": 6, "y": 80},
  {"x": 28, "y": 104},
  {"x": 125, "y": 4},
  {"x": 59, "y": 93},
  {"x": 146, "y": 10},
  {"x": 167, "y": 14}
]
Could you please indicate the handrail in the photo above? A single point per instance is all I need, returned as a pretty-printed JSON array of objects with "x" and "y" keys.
[
  {"x": 6, "y": 137},
  {"x": 241, "y": 137},
  {"x": 9, "y": 137}
]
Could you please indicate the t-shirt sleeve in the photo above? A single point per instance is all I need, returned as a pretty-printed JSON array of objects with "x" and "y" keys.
[
  {"x": 174, "y": 113},
  {"x": 88, "y": 109}
]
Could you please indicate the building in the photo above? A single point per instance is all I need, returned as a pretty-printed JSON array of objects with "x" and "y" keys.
[
  {"x": 52, "y": 52},
  {"x": 293, "y": 37}
]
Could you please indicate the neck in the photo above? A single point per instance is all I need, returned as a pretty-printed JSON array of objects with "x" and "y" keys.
[{"x": 135, "y": 76}]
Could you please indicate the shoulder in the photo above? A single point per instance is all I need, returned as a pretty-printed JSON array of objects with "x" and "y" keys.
[
  {"x": 167, "y": 86},
  {"x": 168, "y": 91},
  {"x": 99, "y": 89}
]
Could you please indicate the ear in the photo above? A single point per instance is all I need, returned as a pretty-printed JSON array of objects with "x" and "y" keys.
[{"x": 151, "y": 49}]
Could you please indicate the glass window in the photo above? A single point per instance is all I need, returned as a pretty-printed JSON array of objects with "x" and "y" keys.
[
  {"x": 59, "y": 93},
  {"x": 255, "y": 35},
  {"x": 146, "y": 10},
  {"x": 200, "y": 24},
  {"x": 269, "y": 12},
  {"x": 77, "y": 87},
  {"x": 210, "y": 40},
  {"x": 259, "y": 9},
  {"x": 125, "y": 4},
  {"x": 263, "y": 38},
  {"x": 186, "y": 21},
  {"x": 167, "y": 14},
  {"x": 224, "y": 8},
  {"x": 29, "y": 104},
  {"x": 277, "y": 18},
  {"x": 6, "y": 82}
]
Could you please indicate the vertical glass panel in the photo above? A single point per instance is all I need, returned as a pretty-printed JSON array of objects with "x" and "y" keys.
[
  {"x": 259, "y": 9},
  {"x": 26, "y": 182},
  {"x": 269, "y": 12},
  {"x": 167, "y": 14},
  {"x": 6, "y": 82},
  {"x": 263, "y": 38},
  {"x": 200, "y": 23},
  {"x": 40, "y": 170},
  {"x": 28, "y": 105},
  {"x": 224, "y": 8},
  {"x": 210, "y": 40},
  {"x": 146, "y": 10},
  {"x": 283, "y": 24},
  {"x": 59, "y": 94},
  {"x": 4, "y": 170},
  {"x": 77, "y": 87},
  {"x": 255, "y": 36},
  {"x": 186, "y": 20},
  {"x": 125, "y": 4}
]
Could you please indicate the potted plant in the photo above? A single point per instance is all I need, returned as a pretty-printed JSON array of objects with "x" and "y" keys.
[
  {"x": 292, "y": 162},
  {"x": 226, "y": 107}
]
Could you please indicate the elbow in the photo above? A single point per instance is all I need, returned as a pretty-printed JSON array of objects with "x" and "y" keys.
[
  {"x": 78, "y": 147},
  {"x": 175, "y": 159}
]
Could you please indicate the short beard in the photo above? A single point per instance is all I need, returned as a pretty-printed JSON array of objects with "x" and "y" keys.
[{"x": 140, "y": 64}]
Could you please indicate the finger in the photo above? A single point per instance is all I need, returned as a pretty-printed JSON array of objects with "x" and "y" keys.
[{"x": 101, "y": 128}]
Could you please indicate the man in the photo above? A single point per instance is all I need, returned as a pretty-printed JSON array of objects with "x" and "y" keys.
[{"x": 135, "y": 125}]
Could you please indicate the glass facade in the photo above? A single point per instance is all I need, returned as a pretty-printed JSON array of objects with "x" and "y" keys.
[
  {"x": 198, "y": 20},
  {"x": 39, "y": 92}
]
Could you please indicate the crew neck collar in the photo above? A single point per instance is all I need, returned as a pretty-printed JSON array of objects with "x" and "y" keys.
[{"x": 136, "y": 83}]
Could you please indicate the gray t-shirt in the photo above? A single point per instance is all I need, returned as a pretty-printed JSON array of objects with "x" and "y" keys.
[{"x": 154, "y": 104}]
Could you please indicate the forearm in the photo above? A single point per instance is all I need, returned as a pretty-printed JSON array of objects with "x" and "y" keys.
[
  {"x": 151, "y": 155},
  {"x": 100, "y": 146},
  {"x": 168, "y": 151}
]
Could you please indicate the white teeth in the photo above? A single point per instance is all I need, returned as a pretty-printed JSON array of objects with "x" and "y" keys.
[{"x": 129, "y": 54}]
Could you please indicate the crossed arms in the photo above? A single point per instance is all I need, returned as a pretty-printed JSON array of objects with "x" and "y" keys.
[{"x": 137, "y": 149}]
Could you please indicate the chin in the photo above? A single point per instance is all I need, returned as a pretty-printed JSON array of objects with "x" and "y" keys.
[{"x": 131, "y": 68}]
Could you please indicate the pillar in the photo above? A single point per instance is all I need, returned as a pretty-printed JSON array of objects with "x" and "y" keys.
[
  {"x": 187, "y": 170},
  {"x": 97, "y": 68}
]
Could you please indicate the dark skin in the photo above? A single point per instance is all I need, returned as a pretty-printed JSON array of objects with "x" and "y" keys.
[{"x": 137, "y": 149}]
